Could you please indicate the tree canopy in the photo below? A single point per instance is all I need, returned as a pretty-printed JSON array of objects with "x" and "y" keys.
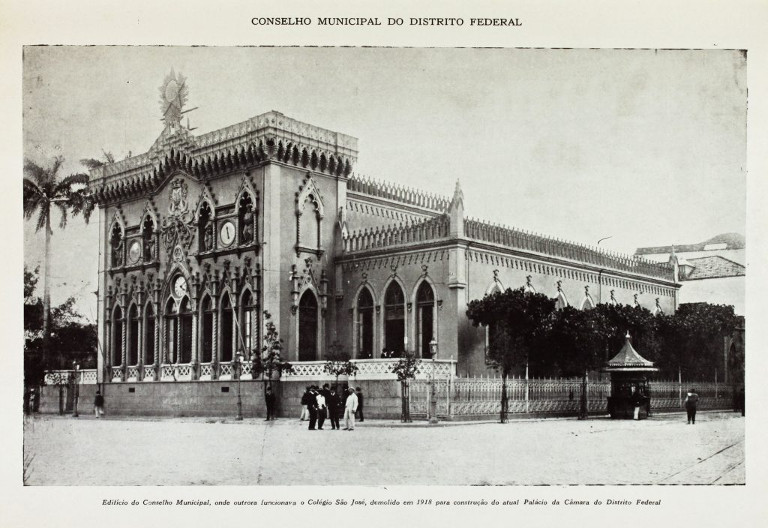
[{"x": 526, "y": 328}]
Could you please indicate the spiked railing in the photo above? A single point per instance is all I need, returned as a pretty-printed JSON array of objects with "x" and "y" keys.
[
  {"x": 516, "y": 238},
  {"x": 389, "y": 191},
  {"x": 404, "y": 233}
]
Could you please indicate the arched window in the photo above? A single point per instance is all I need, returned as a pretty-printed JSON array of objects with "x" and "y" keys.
[
  {"x": 149, "y": 335},
  {"x": 394, "y": 319},
  {"x": 308, "y": 327},
  {"x": 117, "y": 336},
  {"x": 246, "y": 323},
  {"x": 425, "y": 318},
  {"x": 226, "y": 329},
  {"x": 185, "y": 332},
  {"x": 147, "y": 235},
  {"x": 133, "y": 336},
  {"x": 364, "y": 324},
  {"x": 171, "y": 321},
  {"x": 309, "y": 224},
  {"x": 116, "y": 245},
  {"x": 206, "y": 355},
  {"x": 561, "y": 302},
  {"x": 587, "y": 303},
  {"x": 205, "y": 235},
  {"x": 246, "y": 220}
]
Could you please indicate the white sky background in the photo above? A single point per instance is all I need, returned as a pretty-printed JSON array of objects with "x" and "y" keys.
[{"x": 645, "y": 146}]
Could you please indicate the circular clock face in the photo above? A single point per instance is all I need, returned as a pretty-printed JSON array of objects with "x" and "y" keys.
[
  {"x": 227, "y": 233},
  {"x": 134, "y": 252},
  {"x": 180, "y": 286}
]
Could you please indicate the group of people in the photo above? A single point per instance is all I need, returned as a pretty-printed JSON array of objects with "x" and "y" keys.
[{"x": 321, "y": 404}]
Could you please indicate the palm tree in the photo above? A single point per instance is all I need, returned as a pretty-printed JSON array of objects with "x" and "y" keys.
[{"x": 43, "y": 191}]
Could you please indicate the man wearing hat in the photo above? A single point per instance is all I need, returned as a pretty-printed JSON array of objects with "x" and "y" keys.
[{"x": 691, "y": 401}]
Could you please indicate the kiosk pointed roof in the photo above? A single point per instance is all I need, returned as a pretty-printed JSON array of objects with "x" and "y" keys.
[{"x": 629, "y": 359}]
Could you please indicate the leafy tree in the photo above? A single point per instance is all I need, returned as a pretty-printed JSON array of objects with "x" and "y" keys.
[
  {"x": 269, "y": 363},
  {"x": 693, "y": 339},
  {"x": 339, "y": 363},
  {"x": 518, "y": 322},
  {"x": 43, "y": 191},
  {"x": 72, "y": 338},
  {"x": 406, "y": 369},
  {"x": 92, "y": 163}
]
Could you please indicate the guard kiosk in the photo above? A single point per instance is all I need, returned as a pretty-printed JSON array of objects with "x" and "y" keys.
[{"x": 629, "y": 383}]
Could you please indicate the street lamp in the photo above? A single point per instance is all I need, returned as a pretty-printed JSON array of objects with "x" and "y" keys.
[
  {"x": 432, "y": 393},
  {"x": 238, "y": 366},
  {"x": 77, "y": 388}
]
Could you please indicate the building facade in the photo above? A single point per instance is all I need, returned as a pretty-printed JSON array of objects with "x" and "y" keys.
[{"x": 201, "y": 234}]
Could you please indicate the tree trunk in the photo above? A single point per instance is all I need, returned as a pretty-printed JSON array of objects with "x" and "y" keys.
[
  {"x": 504, "y": 399},
  {"x": 406, "y": 402},
  {"x": 583, "y": 404},
  {"x": 47, "y": 291}
]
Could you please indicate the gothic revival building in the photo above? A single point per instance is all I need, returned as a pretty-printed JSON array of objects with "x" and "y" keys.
[{"x": 201, "y": 234}]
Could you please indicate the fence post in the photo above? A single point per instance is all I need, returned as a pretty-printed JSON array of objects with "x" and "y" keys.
[
  {"x": 715, "y": 386},
  {"x": 527, "y": 404},
  {"x": 679, "y": 387}
]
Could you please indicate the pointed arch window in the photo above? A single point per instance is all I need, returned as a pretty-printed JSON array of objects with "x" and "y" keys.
[
  {"x": 425, "y": 318},
  {"x": 185, "y": 331},
  {"x": 117, "y": 336},
  {"x": 206, "y": 353},
  {"x": 148, "y": 239},
  {"x": 394, "y": 319},
  {"x": 171, "y": 324},
  {"x": 226, "y": 329},
  {"x": 246, "y": 323},
  {"x": 308, "y": 327},
  {"x": 205, "y": 234},
  {"x": 364, "y": 324},
  {"x": 116, "y": 246},
  {"x": 149, "y": 335},
  {"x": 133, "y": 336},
  {"x": 561, "y": 302},
  {"x": 246, "y": 220},
  {"x": 309, "y": 224}
]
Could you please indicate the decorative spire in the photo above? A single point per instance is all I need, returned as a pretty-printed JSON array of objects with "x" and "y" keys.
[{"x": 173, "y": 97}]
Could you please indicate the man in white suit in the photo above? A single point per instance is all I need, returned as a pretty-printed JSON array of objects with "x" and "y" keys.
[{"x": 349, "y": 410}]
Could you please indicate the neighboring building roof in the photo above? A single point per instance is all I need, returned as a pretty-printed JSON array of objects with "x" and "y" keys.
[
  {"x": 725, "y": 241},
  {"x": 714, "y": 267}
]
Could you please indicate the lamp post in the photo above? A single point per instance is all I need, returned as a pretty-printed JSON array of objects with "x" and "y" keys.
[
  {"x": 432, "y": 392},
  {"x": 77, "y": 388},
  {"x": 238, "y": 366}
]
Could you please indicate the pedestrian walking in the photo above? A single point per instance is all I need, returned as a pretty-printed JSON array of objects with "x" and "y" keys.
[
  {"x": 321, "y": 409},
  {"x": 349, "y": 410},
  {"x": 304, "y": 403},
  {"x": 333, "y": 403},
  {"x": 269, "y": 398},
  {"x": 98, "y": 404},
  {"x": 691, "y": 401},
  {"x": 312, "y": 408},
  {"x": 359, "y": 414}
]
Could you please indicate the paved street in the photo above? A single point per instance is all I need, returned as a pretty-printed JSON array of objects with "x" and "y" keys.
[{"x": 122, "y": 451}]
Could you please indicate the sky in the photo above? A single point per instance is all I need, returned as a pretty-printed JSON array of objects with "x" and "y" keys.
[{"x": 647, "y": 147}]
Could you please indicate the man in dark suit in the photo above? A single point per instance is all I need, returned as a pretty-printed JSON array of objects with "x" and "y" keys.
[
  {"x": 333, "y": 403},
  {"x": 269, "y": 398},
  {"x": 359, "y": 413},
  {"x": 312, "y": 408}
]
